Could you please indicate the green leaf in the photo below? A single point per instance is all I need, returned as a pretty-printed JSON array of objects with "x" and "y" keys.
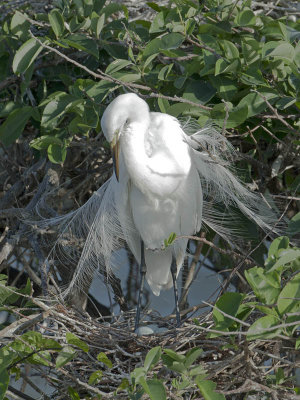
[
  {"x": 79, "y": 7},
  {"x": 199, "y": 91},
  {"x": 102, "y": 357},
  {"x": 214, "y": 29},
  {"x": 57, "y": 154},
  {"x": 171, "y": 41},
  {"x": 73, "y": 394},
  {"x": 283, "y": 51},
  {"x": 152, "y": 357},
  {"x": 236, "y": 116},
  {"x": 245, "y": 18},
  {"x": 256, "y": 103},
  {"x": 257, "y": 329},
  {"x": 127, "y": 77},
  {"x": 226, "y": 88},
  {"x": 138, "y": 374},
  {"x": 81, "y": 42},
  {"x": 164, "y": 72},
  {"x": 253, "y": 76},
  {"x": 251, "y": 49},
  {"x": 100, "y": 90},
  {"x": 230, "y": 50},
  {"x": 192, "y": 355},
  {"x": 149, "y": 60},
  {"x": 198, "y": 370},
  {"x": 88, "y": 7},
  {"x": 156, "y": 389},
  {"x": 289, "y": 298},
  {"x": 174, "y": 356},
  {"x": 286, "y": 257},
  {"x": 14, "y": 125},
  {"x": 180, "y": 108},
  {"x": 279, "y": 243},
  {"x": 57, "y": 22},
  {"x": 26, "y": 55},
  {"x": 285, "y": 102},
  {"x": 294, "y": 225},
  {"x": 229, "y": 303},
  {"x": 171, "y": 238},
  {"x": 19, "y": 25},
  {"x": 167, "y": 42},
  {"x": 113, "y": 8},
  {"x": 155, "y": 6},
  {"x": 280, "y": 378},
  {"x": 266, "y": 286},
  {"x": 100, "y": 25},
  {"x": 158, "y": 24},
  {"x": 4, "y": 381},
  {"x": 65, "y": 355},
  {"x": 89, "y": 119},
  {"x": 95, "y": 377},
  {"x": 42, "y": 142},
  {"x": 178, "y": 367},
  {"x": 8, "y": 108},
  {"x": 207, "y": 389},
  {"x": 163, "y": 105},
  {"x": 41, "y": 358},
  {"x": 222, "y": 66},
  {"x": 116, "y": 65},
  {"x": 73, "y": 339},
  {"x": 153, "y": 47},
  {"x": 56, "y": 108}
]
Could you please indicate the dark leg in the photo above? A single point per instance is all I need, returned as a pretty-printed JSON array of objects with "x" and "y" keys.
[
  {"x": 143, "y": 270},
  {"x": 174, "y": 272}
]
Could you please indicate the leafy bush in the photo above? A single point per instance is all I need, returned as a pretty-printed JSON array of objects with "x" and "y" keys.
[{"x": 222, "y": 62}]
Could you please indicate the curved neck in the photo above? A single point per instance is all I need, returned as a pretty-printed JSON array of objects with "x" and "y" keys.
[{"x": 132, "y": 144}]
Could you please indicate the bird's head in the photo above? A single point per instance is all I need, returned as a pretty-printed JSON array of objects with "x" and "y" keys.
[{"x": 123, "y": 110}]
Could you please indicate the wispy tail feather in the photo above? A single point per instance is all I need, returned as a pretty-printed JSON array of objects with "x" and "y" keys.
[{"x": 213, "y": 155}]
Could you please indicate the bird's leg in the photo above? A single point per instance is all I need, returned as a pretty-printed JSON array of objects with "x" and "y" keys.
[
  {"x": 174, "y": 273},
  {"x": 143, "y": 270}
]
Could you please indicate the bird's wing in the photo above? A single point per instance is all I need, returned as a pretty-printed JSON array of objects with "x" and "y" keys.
[{"x": 166, "y": 147}]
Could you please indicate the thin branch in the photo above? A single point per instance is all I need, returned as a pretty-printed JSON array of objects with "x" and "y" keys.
[
  {"x": 278, "y": 116},
  {"x": 106, "y": 77}
]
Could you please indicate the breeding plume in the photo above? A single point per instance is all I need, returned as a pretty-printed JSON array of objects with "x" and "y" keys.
[{"x": 165, "y": 181}]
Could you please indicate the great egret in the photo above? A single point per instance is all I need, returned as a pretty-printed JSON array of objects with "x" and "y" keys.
[{"x": 165, "y": 181}]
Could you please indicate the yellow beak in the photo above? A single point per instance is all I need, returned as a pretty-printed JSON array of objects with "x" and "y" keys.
[{"x": 115, "y": 149}]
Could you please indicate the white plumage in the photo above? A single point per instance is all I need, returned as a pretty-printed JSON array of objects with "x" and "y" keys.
[{"x": 168, "y": 182}]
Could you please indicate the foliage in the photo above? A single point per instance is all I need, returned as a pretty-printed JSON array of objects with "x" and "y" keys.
[
  {"x": 239, "y": 63},
  {"x": 276, "y": 303}
]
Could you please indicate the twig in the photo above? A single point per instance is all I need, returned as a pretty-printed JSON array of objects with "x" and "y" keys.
[
  {"x": 227, "y": 315},
  {"x": 109, "y": 78},
  {"x": 205, "y": 47},
  {"x": 271, "y": 6},
  {"x": 218, "y": 249},
  {"x": 19, "y": 393},
  {"x": 191, "y": 273},
  {"x": 281, "y": 119},
  {"x": 226, "y": 117}
]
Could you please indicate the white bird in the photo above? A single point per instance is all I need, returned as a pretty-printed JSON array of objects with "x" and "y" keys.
[{"x": 165, "y": 181}]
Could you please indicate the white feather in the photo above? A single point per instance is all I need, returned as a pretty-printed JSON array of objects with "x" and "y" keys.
[{"x": 170, "y": 181}]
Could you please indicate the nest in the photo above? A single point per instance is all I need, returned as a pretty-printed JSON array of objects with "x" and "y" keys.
[{"x": 234, "y": 364}]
